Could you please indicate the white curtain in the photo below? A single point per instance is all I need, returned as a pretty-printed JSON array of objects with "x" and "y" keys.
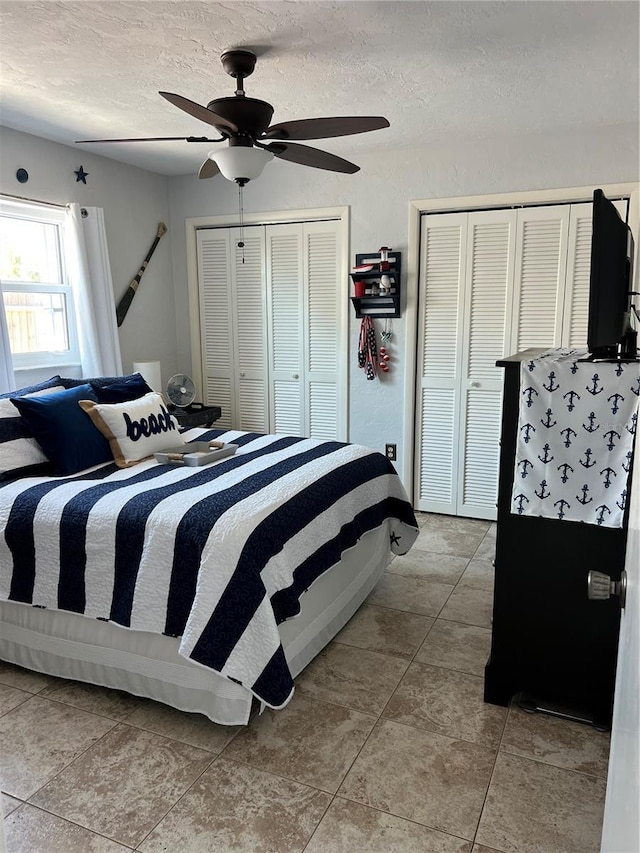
[
  {"x": 7, "y": 380},
  {"x": 90, "y": 274}
]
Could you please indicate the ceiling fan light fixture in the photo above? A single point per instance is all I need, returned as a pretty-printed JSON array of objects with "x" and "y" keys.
[{"x": 239, "y": 163}]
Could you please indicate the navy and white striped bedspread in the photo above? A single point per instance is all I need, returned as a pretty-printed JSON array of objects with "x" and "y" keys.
[{"x": 217, "y": 555}]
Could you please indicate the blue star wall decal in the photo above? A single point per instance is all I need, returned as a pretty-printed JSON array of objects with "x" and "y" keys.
[{"x": 81, "y": 175}]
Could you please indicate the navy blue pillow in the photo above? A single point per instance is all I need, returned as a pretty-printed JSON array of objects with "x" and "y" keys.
[
  {"x": 99, "y": 381},
  {"x": 128, "y": 388},
  {"x": 65, "y": 433},
  {"x": 31, "y": 389}
]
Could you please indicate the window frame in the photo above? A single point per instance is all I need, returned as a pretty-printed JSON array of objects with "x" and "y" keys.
[{"x": 50, "y": 215}]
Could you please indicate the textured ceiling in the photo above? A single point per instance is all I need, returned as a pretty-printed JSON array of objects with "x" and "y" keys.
[{"x": 438, "y": 71}]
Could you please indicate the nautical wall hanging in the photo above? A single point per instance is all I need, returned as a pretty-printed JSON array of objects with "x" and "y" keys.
[
  {"x": 368, "y": 349},
  {"x": 576, "y": 428},
  {"x": 127, "y": 299}
]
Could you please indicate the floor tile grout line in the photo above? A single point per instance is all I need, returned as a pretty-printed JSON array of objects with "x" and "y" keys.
[
  {"x": 235, "y": 760},
  {"x": 387, "y": 654},
  {"x": 376, "y": 720},
  {"x": 315, "y": 829},
  {"x": 439, "y": 734},
  {"x": 72, "y": 823},
  {"x": 424, "y": 615},
  {"x": 77, "y": 758},
  {"x": 337, "y": 704},
  {"x": 338, "y": 796},
  {"x": 19, "y": 705},
  {"x": 450, "y": 669},
  {"x": 73, "y": 761},
  {"x": 493, "y": 770},
  {"x": 505, "y": 751},
  {"x": 84, "y": 710},
  {"x": 413, "y": 612},
  {"x": 174, "y": 804},
  {"x": 497, "y": 749},
  {"x": 62, "y": 769},
  {"x": 126, "y": 720}
]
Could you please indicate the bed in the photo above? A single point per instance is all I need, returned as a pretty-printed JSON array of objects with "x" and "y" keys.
[{"x": 206, "y": 588}]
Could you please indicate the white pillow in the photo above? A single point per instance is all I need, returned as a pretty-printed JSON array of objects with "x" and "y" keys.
[
  {"x": 19, "y": 451},
  {"x": 136, "y": 429}
]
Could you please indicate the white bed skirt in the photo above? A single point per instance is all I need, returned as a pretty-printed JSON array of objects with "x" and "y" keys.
[{"x": 69, "y": 645}]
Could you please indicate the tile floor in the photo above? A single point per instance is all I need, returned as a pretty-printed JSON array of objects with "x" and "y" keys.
[{"x": 386, "y": 747}]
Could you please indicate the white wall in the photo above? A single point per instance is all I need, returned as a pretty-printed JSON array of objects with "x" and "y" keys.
[
  {"x": 134, "y": 202},
  {"x": 379, "y": 197}
]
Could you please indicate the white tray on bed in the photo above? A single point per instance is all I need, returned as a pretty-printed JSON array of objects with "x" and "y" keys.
[{"x": 198, "y": 453}]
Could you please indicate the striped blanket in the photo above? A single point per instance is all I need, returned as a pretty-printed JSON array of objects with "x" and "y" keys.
[{"x": 216, "y": 555}]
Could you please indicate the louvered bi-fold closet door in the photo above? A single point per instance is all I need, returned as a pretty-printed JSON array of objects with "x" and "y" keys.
[
  {"x": 441, "y": 288},
  {"x": 305, "y": 305},
  {"x": 576, "y": 304},
  {"x": 233, "y": 326},
  {"x": 540, "y": 272},
  {"x": 485, "y": 339}
]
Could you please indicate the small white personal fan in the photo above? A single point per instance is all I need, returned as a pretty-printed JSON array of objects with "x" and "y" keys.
[{"x": 181, "y": 390}]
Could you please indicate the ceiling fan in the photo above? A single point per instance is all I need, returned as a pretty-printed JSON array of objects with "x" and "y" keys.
[{"x": 244, "y": 123}]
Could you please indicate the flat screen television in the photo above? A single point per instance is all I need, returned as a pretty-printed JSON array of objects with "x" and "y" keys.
[{"x": 609, "y": 332}]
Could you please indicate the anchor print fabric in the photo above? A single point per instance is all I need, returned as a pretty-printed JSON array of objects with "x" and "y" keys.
[{"x": 576, "y": 427}]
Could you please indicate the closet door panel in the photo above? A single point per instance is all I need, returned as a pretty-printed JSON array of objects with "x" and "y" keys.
[
  {"x": 323, "y": 305},
  {"x": 322, "y": 294},
  {"x": 576, "y": 307},
  {"x": 480, "y": 462},
  {"x": 285, "y": 305},
  {"x": 250, "y": 334},
  {"x": 489, "y": 272},
  {"x": 540, "y": 269},
  {"x": 216, "y": 321},
  {"x": 442, "y": 279},
  {"x": 437, "y": 457},
  {"x": 286, "y": 407},
  {"x": 218, "y": 392},
  {"x": 252, "y": 414},
  {"x": 323, "y": 411},
  {"x": 442, "y": 276}
]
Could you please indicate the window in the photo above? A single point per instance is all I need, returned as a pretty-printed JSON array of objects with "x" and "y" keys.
[{"x": 38, "y": 299}]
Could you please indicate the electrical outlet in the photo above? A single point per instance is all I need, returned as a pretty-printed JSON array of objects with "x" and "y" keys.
[{"x": 390, "y": 451}]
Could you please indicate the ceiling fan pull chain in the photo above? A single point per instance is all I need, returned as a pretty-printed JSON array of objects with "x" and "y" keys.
[{"x": 241, "y": 212}]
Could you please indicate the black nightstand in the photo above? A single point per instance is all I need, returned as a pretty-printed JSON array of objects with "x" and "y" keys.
[{"x": 196, "y": 415}]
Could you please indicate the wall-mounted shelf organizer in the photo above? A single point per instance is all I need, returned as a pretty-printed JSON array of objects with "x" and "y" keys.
[{"x": 377, "y": 304}]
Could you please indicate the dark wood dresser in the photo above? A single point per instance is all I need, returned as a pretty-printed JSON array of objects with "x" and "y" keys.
[{"x": 550, "y": 643}]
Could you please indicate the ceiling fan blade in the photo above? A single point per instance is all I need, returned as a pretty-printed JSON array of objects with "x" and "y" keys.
[
  {"x": 307, "y": 156},
  {"x": 156, "y": 139},
  {"x": 323, "y": 128},
  {"x": 209, "y": 169},
  {"x": 198, "y": 111}
]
